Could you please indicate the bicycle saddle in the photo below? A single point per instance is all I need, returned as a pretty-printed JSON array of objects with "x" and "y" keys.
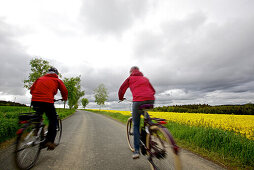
[{"x": 146, "y": 106}]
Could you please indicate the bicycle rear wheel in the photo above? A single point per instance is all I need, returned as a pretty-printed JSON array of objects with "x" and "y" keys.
[
  {"x": 130, "y": 134},
  {"x": 162, "y": 151},
  {"x": 27, "y": 148},
  {"x": 58, "y": 131}
]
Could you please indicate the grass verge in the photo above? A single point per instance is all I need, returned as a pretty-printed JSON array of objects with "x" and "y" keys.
[
  {"x": 222, "y": 147},
  {"x": 9, "y": 121}
]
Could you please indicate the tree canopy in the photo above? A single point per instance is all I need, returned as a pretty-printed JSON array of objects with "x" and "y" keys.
[
  {"x": 84, "y": 102},
  {"x": 74, "y": 90},
  {"x": 245, "y": 109},
  {"x": 39, "y": 67},
  {"x": 100, "y": 94}
]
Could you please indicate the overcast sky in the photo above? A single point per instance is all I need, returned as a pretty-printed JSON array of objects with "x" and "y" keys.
[{"x": 192, "y": 51}]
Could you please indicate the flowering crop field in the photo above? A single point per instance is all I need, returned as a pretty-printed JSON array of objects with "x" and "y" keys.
[
  {"x": 215, "y": 136},
  {"x": 241, "y": 124}
]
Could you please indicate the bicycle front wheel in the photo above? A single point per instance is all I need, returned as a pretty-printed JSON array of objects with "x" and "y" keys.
[
  {"x": 162, "y": 151},
  {"x": 130, "y": 134},
  {"x": 27, "y": 148},
  {"x": 58, "y": 131}
]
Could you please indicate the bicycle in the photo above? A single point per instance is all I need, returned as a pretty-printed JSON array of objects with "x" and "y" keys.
[
  {"x": 155, "y": 141},
  {"x": 30, "y": 138}
]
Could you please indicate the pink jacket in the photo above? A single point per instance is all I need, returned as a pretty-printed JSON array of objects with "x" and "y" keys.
[{"x": 140, "y": 87}]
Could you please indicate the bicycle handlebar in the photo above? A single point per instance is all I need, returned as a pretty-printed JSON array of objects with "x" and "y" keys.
[
  {"x": 123, "y": 100},
  {"x": 55, "y": 100}
]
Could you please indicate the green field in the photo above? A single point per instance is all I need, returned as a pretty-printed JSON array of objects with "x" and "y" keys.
[
  {"x": 9, "y": 119},
  {"x": 227, "y": 148}
]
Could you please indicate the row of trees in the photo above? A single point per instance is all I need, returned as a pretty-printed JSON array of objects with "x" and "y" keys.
[
  {"x": 246, "y": 109},
  {"x": 9, "y": 103},
  {"x": 39, "y": 67}
]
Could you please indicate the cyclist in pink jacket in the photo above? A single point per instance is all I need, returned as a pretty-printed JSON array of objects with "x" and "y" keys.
[{"x": 143, "y": 93}]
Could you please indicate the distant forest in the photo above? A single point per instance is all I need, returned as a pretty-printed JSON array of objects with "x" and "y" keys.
[
  {"x": 8, "y": 103},
  {"x": 246, "y": 109}
]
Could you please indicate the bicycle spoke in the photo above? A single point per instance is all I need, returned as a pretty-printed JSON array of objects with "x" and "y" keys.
[
  {"x": 27, "y": 149},
  {"x": 161, "y": 155},
  {"x": 29, "y": 135},
  {"x": 24, "y": 147},
  {"x": 23, "y": 158},
  {"x": 26, "y": 155}
]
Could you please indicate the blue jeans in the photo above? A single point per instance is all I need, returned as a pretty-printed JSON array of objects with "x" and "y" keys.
[{"x": 136, "y": 113}]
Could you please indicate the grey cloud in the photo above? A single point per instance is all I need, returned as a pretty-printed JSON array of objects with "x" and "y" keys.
[
  {"x": 112, "y": 16},
  {"x": 199, "y": 56},
  {"x": 225, "y": 97},
  {"x": 14, "y": 62},
  {"x": 149, "y": 44},
  {"x": 206, "y": 56},
  {"x": 111, "y": 77},
  {"x": 241, "y": 88},
  {"x": 91, "y": 77}
]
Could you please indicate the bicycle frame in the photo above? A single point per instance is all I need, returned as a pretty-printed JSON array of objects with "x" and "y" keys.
[
  {"x": 155, "y": 141},
  {"x": 148, "y": 123},
  {"x": 32, "y": 134}
]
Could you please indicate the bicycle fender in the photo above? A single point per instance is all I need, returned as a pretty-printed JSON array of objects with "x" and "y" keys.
[{"x": 19, "y": 131}]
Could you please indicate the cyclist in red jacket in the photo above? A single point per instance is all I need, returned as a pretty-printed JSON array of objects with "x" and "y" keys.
[
  {"x": 43, "y": 91},
  {"x": 143, "y": 93}
]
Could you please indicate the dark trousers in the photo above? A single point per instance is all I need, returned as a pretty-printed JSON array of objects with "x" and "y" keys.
[
  {"x": 136, "y": 113},
  {"x": 50, "y": 111}
]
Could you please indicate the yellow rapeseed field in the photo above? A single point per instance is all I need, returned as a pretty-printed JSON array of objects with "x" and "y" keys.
[{"x": 243, "y": 124}]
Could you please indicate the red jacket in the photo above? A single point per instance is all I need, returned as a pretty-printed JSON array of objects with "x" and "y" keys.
[
  {"x": 140, "y": 87},
  {"x": 45, "y": 88}
]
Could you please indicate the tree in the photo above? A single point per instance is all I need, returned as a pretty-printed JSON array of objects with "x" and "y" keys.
[
  {"x": 39, "y": 67},
  {"x": 84, "y": 102},
  {"x": 74, "y": 90},
  {"x": 100, "y": 94}
]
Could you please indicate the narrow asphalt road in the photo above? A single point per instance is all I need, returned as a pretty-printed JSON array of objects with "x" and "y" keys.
[{"x": 94, "y": 142}]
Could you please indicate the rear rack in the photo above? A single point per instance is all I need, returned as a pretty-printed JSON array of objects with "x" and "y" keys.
[{"x": 28, "y": 116}]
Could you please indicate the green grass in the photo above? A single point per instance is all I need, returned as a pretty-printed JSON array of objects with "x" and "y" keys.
[
  {"x": 117, "y": 116},
  {"x": 227, "y": 148},
  {"x": 220, "y": 146},
  {"x": 9, "y": 119}
]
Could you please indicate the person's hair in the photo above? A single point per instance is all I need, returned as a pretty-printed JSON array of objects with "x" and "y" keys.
[{"x": 53, "y": 69}]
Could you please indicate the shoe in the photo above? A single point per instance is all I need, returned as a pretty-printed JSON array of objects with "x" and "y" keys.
[
  {"x": 50, "y": 145},
  {"x": 135, "y": 155}
]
